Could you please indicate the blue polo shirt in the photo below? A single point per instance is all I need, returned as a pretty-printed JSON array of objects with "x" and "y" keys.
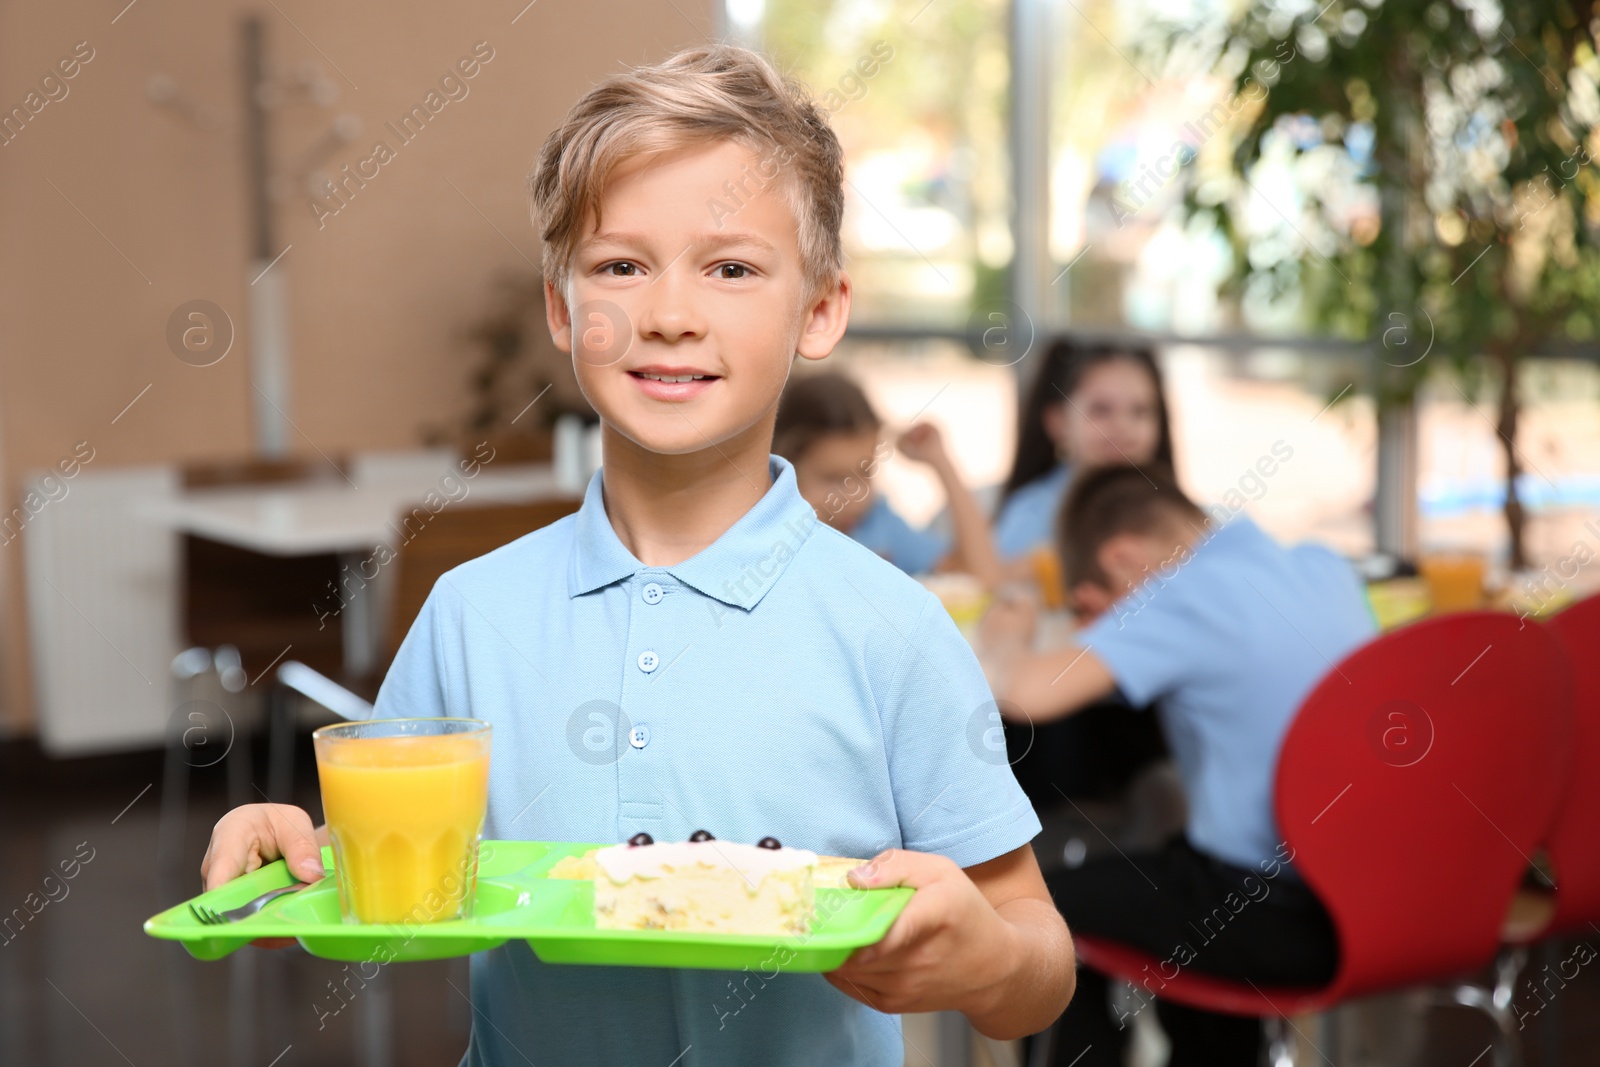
[
  {"x": 1228, "y": 643},
  {"x": 785, "y": 681},
  {"x": 1027, "y": 519},
  {"x": 912, "y": 550}
]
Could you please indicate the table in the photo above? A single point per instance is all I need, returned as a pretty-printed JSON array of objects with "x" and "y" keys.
[
  {"x": 1398, "y": 602},
  {"x": 350, "y": 518},
  {"x": 311, "y": 519}
]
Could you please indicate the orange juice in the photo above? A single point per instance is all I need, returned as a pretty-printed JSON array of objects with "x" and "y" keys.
[
  {"x": 1455, "y": 580},
  {"x": 404, "y": 813},
  {"x": 1046, "y": 567}
]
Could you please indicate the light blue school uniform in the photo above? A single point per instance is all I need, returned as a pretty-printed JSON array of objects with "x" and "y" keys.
[
  {"x": 886, "y": 533},
  {"x": 785, "y": 681},
  {"x": 1028, "y": 519},
  {"x": 1228, "y": 643}
]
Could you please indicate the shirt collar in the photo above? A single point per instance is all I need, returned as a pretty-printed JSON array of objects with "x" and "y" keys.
[{"x": 737, "y": 568}]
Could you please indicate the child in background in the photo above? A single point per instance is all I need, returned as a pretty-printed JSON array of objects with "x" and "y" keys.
[
  {"x": 826, "y": 427},
  {"x": 1226, "y": 631},
  {"x": 1088, "y": 406}
]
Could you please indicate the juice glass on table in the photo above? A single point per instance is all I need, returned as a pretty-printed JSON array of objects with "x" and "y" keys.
[
  {"x": 405, "y": 802},
  {"x": 1454, "y": 579},
  {"x": 962, "y": 595},
  {"x": 1045, "y": 567}
]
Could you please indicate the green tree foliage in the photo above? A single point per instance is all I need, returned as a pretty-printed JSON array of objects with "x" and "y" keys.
[{"x": 1444, "y": 161}]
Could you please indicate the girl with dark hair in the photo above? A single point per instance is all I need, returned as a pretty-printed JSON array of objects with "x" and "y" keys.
[
  {"x": 1088, "y": 405},
  {"x": 827, "y": 429}
]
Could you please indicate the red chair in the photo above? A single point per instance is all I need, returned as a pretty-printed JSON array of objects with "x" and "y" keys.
[
  {"x": 1413, "y": 785},
  {"x": 1572, "y": 903},
  {"x": 1572, "y": 844}
]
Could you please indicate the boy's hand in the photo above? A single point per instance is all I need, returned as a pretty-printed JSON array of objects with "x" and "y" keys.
[
  {"x": 1005, "y": 638},
  {"x": 247, "y": 837},
  {"x": 1090, "y": 601},
  {"x": 922, "y": 443},
  {"x": 255, "y": 834},
  {"x": 1012, "y": 620},
  {"x": 946, "y": 949}
]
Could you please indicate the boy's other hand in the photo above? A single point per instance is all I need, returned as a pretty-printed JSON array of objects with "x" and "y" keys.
[
  {"x": 1012, "y": 619},
  {"x": 247, "y": 837},
  {"x": 1005, "y": 637},
  {"x": 944, "y": 951},
  {"x": 923, "y": 443},
  {"x": 1090, "y": 601}
]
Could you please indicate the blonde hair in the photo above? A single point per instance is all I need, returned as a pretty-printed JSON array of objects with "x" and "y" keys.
[{"x": 701, "y": 95}]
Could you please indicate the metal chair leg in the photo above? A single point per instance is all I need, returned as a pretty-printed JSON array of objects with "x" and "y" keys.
[
  {"x": 376, "y": 1013},
  {"x": 174, "y": 811},
  {"x": 242, "y": 1001},
  {"x": 1550, "y": 1033},
  {"x": 187, "y": 666},
  {"x": 1495, "y": 1002},
  {"x": 230, "y": 672},
  {"x": 280, "y": 744},
  {"x": 1280, "y": 1044},
  {"x": 1507, "y": 966},
  {"x": 230, "y": 668},
  {"x": 1329, "y": 1036}
]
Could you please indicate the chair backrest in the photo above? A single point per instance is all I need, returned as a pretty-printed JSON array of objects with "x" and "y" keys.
[
  {"x": 259, "y": 604},
  {"x": 1414, "y": 785},
  {"x": 536, "y": 444},
  {"x": 455, "y": 534},
  {"x": 1574, "y": 841},
  {"x": 250, "y": 470}
]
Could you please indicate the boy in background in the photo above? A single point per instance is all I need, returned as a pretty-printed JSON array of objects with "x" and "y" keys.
[
  {"x": 760, "y": 673},
  {"x": 1226, "y": 632}
]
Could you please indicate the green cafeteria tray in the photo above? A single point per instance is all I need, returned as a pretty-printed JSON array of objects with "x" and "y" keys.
[{"x": 516, "y": 902}]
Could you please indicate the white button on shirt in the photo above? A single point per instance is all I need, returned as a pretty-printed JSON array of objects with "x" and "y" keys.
[
  {"x": 815, "y": 694},
  {"x": 651, "y": 593}
]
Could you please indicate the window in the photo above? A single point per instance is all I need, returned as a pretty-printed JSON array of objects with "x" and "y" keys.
[
  {"x": 932, "y": 169},
  {"x": 917, "y": 96}
]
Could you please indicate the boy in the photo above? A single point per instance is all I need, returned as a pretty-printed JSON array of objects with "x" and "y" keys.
[
  {"x": 761, "y": 674},
  {"x": 1227, "y": 632}
]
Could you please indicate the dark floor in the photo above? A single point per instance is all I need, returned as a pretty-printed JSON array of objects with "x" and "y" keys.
[{"x": 81, "y": 984}]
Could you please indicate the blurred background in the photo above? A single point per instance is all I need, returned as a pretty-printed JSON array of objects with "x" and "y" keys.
[{"x": 240, "y": 346}]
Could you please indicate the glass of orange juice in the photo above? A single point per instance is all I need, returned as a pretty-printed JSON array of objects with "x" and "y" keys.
[
  {"x": 1454, "y": 579},
  {"x": 405, "y": 802},
  {"x": 1046, "y": 569}
]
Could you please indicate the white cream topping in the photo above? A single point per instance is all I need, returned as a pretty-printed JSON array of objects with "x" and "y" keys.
[{"x": 622, "y": 862}]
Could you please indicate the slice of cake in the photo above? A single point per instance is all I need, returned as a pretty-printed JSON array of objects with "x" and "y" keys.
[
  {"x": 704, "y": 885},
  {"x": 575, "y": 868}
]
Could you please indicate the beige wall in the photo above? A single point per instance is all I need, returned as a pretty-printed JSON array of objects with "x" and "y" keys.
[{"x": 377, "y": 296}]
